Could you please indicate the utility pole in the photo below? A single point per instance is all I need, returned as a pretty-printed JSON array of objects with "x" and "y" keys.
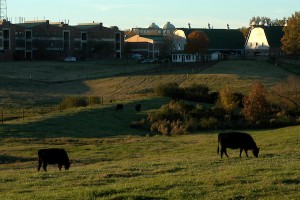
[{"x": 3, "y": 10}]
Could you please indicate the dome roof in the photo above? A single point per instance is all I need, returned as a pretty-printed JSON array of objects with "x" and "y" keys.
[
  {"x": 168, "y": 25},
  {"x": 153, "y": 25},
  {"x": 261, "y": 23}
]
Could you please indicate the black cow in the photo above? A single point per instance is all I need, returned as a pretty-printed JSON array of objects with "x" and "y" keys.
[
  {"x": 237, "y": 140},
  {"x": 138, "y": 107},
  {"x": 53, "y": 156},
  {"x": 119, "y": 107}
]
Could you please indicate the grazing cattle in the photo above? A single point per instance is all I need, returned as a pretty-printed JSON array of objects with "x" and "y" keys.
[
  {"x": 119, "y": 107},
  {"x": 138, "y": 107},
  {"x": 53, "y": 156},
  {"x": 237, "y": 140}
]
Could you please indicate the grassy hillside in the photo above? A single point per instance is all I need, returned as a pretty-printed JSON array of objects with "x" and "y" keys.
[
  {"x": 113, "y": 161},
  {"x": 134, "y": 167},
  {"x": 27, "y": 85}
]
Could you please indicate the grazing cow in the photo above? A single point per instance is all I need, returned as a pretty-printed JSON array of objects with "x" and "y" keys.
[
  {"x": 119, "y": 107},
  {"x": 138, "y": 107},
  {"x": 237, "y": 140},
  {"x": 53, "y": 156}
]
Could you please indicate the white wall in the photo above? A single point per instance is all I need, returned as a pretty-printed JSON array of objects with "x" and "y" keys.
[
  {"x": 179, "y": 40},
  {"x": 257, "y": 40}
]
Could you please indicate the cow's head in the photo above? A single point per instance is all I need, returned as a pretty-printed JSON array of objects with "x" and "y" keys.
[
  {"x": 255, "y": 152},
  {"x": 67, "y": 165}
]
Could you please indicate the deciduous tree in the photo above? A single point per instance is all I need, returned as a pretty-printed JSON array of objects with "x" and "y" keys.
[
  {"x": 197, "y": 42},
  {"x": 256, "y": 107},
  {"x": 228, "y": 100},
  {"x": 291, "y": 38}
]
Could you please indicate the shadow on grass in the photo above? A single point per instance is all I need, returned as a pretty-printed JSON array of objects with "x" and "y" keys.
[
  {"x": 90, "y": 123},
  {"x": 6, "y": 159}
]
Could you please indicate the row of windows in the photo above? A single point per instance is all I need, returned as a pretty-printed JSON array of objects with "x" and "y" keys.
[
  {"x": 256, "y": 44},
  {"x": 66, "y": 35},
  {"x": 186, "y": 57}
]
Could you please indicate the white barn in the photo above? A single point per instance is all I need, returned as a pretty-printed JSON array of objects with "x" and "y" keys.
[{"x": 264, "y": 41}]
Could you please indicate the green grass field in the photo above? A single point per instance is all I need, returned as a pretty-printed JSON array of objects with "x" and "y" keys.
[
  {"x": 113, "y": 161},
  {"x": 135, "y": 167}
]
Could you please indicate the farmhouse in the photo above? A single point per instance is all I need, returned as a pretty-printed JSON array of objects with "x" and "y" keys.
[
  {"x": 264, "y": 41},
  {"x": 54, "y": 41},
  {"x": 227, "y": 42}
]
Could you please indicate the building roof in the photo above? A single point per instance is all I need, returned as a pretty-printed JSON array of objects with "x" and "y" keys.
[
  {"x": 145, "y": 38},
  {"x": 221, "y": 38},
  {"x": 154, "y": 26},
  {"x": 168, "y": 25},
  {"x": 274, "y": 35}
]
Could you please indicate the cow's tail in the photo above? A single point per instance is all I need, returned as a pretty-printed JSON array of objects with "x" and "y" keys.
[{"x": 218, "y": 150}]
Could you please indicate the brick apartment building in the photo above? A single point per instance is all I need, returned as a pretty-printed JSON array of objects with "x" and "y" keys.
[{"x": 43, "y": 40}]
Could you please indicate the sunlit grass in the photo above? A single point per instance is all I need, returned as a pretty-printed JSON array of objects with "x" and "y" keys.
[{"x": 135, "y": 167}]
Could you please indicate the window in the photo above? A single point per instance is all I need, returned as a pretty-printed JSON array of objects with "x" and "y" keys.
[
  {"x": 84, "y": 36},
  {"x": 6, "y": 34},
  {"x": 6, "y": 45},
  {"x": 66, "y": 35},
  {"x": 28, "y": 35},
  {"x": 118, "y": 37}
]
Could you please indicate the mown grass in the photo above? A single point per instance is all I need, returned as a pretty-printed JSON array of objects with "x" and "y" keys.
[{"x": 135, "y": 167}]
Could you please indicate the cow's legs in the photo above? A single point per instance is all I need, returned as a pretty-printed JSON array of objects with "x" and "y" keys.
[
  {"x": 59, "y": 166},
  {"x": 241, "y": 150},
  {"x": 223, "y": 150},
  {"x": 246, "y": 151},
  {"x": 45, "y": 166},
  {"x": 39, "y": 165},
  {"x": 226, "y": 153}
]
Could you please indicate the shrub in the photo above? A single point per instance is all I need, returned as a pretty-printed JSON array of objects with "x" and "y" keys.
[
  {"x": 73, "y": 102},
  {"x": 94, "y": 100},
  {"x": 197, "y": 93},
  {"x": 171, "y": 90},
  {"x": 209, "y": 123},
  {"x": 228, "y": 100},
  {"x": 256, "y": 108}
]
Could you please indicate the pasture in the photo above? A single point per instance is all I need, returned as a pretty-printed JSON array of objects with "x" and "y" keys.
[
  {"x": 136, "y": 167},
  {"x": 113, "y": 161}
]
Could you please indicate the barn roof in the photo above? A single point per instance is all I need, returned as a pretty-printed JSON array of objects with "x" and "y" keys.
[
  {"x": 274, "y": 35},
  {"x": 221, "y": 38}
]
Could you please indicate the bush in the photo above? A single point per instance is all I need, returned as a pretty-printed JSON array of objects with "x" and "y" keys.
[
  {"x": 94, "y": 100},
  {"x": 171, "y": 90},
  {"x": 197, "y": 93},
  {"x": 75, "y": 102},
  {"x": 209, "y": 123}
]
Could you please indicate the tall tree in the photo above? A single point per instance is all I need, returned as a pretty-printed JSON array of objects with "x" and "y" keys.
[
  {"x": 291, "y": 39},
  {"x": 197, "y": 42}
]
